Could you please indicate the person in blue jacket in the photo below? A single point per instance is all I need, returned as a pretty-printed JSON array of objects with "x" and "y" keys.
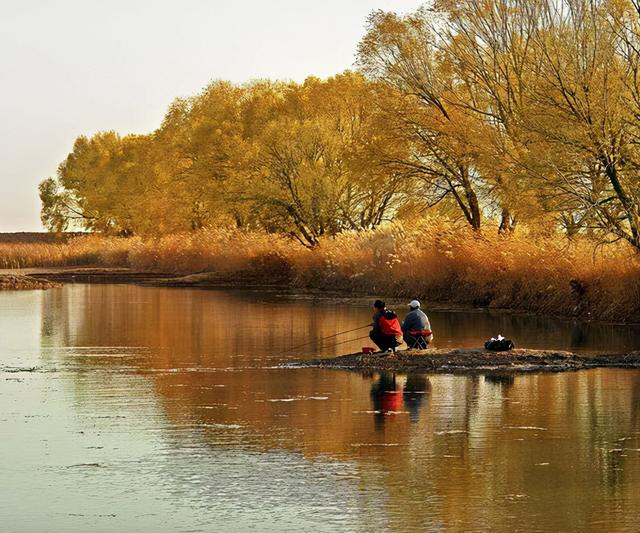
[{"x": 416, "y": 329}]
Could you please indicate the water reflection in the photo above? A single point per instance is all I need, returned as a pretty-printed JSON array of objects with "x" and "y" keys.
[
  {"x": 389, "y": 396},
  {"x": 417, "y": 388},
  {"x": 504, "y": 379},
  {"x": 173, "y": 402},
  {"x": 192, "y": 321},
  {"x": 386, "y": 398}
]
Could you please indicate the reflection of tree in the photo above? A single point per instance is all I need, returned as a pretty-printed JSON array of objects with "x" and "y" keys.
[
  {"x": 635, "y": 399},
  {"x": 57, "y": 313},
  {"x": 579, "y": 335}
]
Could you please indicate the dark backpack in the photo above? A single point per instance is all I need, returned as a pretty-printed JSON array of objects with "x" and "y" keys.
[{"x": 499, "y": 345}]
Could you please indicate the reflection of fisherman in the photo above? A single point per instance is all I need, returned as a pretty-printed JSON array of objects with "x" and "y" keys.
[
  {"x": 386, "y": 332},
  {"x": 499, "y": 378},
  {"x": 415, "y": 392},
  {"x": 385, "y": 397},
  {"x": 415, "y": 326}
]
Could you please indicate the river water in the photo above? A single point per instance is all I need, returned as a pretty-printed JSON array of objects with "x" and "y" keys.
[{"x": 125, "y": 408}]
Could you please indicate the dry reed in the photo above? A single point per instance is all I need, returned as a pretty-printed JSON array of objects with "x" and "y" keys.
[{"x": 428, "y": 261}]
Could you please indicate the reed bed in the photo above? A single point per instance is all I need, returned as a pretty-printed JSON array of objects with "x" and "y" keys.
[
  {"x": 524, "y": 272},
  {"x": 90, "y": 250},
  {"x": 545, "y": 276}
]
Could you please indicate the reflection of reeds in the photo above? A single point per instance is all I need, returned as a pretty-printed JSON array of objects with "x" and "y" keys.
[{"x": 427, "y": 261}]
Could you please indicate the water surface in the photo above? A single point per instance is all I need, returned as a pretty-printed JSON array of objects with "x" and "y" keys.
[{"x": 125, "y": 408}]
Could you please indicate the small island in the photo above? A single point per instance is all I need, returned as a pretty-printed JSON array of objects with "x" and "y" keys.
[{"x": 470, "y": 360}]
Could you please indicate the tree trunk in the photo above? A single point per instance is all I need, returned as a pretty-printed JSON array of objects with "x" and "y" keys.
[
  {"x": 629, "y": 205},
  {"x": 475, "y": 216}
]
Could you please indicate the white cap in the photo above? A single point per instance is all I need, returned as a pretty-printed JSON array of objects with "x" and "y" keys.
[{"x": 414, "y": 303}]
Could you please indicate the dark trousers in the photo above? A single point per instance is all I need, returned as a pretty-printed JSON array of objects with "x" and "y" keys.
[{"x": 384, "y": 342}]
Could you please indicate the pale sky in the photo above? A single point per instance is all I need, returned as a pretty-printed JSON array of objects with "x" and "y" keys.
[{"x": 72, "y": 67}]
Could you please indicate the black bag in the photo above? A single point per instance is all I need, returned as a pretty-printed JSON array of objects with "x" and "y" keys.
[{"x": 499, "y": 345}]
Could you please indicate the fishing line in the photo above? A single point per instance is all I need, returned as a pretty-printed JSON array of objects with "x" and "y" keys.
[
  {"x": 328, "y": 337},
  {"x": 350, "y": 340}
]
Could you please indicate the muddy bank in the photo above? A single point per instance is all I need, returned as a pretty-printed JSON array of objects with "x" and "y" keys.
[
  {"x": 97, "y": 275},
  {"x": 12, "y": 282},
  {"x": 202, "y": 280},
  {"x": 211, "y": 280},
  {"x": 468, "y": 360},
  {"x": 222, "y": 280}
]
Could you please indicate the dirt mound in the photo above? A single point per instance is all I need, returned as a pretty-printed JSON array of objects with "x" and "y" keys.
[{"x": 465, "y": 360}]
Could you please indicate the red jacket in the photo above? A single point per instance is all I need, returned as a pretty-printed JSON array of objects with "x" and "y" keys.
[{"x": 386, "y": 322}]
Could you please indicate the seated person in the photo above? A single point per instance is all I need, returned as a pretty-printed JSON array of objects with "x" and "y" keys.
[
  {"x": 386, "y": 332},
  {"x": 416, "y": 321}
]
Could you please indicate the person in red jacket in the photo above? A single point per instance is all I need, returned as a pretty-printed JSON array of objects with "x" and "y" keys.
[{"x": 386, "y": 332}]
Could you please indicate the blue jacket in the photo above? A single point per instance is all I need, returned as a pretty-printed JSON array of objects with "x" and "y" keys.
[{"x": 416, "y": 320}]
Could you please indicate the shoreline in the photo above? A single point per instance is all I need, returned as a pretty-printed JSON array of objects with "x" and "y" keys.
[
  {"x": 16, "y": 282},
  {"x": 472, "y": 360},
  {"x": 233, "y": 281}
]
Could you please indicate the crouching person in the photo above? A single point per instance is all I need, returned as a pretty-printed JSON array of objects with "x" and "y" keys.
[
  {"x": 386, "y": 332},
  {"x": 416, "y": 330}
]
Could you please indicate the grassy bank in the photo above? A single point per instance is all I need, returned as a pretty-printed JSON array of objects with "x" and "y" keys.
[{"x": 521, "y": 272}]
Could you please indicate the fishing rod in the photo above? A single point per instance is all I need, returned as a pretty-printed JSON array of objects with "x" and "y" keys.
[
  {"x": 350, "y": 340},
  {"x": 328, "y": 337}
]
